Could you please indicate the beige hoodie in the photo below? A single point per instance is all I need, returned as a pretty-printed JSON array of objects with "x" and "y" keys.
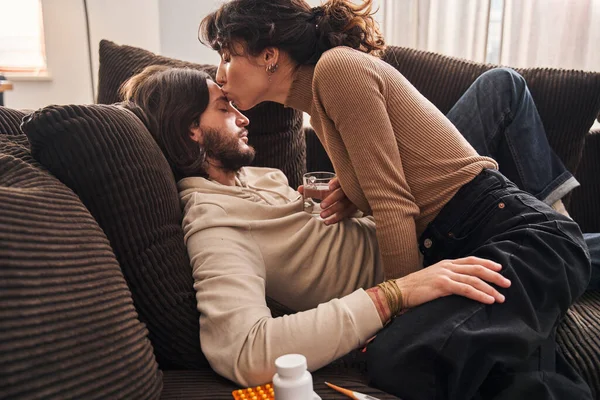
[{"x": 253, "y": 240}]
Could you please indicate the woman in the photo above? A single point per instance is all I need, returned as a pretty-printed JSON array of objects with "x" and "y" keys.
[{"x": 430, "y": 193}]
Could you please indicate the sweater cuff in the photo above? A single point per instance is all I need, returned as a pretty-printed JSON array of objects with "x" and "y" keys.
[{"x": 364, "y": 313}]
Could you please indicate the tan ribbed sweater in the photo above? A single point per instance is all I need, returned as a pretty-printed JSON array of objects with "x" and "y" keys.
[
  {"x": 396, "y": 155},
  {"x": 254, "y": 239}
]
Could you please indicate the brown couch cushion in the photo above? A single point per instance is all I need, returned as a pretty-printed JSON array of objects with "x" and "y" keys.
[
  {"x": 274, "y": 131},
  {"x": 10, "y": 121},
  {"x": 108, "y": 157},
  {"x": 578, "y": 336},
  {"x": 568, "y": 101},
  {"x": 69, "y": 328}
]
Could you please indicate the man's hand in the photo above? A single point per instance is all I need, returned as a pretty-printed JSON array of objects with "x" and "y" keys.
[
  {"x": 336, "y": 206},
  {"x": 470, "y": 277}
]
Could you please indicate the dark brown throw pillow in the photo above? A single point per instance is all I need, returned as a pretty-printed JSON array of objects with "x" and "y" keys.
[
  {"x": 10, "y": 121},
  {"x": 568, "y": 101},
  {"x": 68, "y": 325},
  {"x": 108, "y": 157},
  {"x": 274, "y": 131}
]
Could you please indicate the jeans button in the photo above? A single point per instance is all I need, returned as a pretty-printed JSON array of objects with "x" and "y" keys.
[{"x": 427, "y": 243}]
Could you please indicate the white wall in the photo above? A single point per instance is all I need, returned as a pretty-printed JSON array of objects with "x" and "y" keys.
[
  {"x": 67, "y": 58},
  {"x": 133, "y": 22},
  {"x": 179, "y": 21}
]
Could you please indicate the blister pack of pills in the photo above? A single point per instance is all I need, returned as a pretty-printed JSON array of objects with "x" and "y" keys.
[{"x": 262, "y": 392}]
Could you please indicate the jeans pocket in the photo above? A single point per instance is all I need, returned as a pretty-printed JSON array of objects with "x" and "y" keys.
[{"x": 476, "y": 218}]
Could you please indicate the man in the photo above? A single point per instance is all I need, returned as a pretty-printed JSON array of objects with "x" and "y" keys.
[{"x": 248, "y": 237}]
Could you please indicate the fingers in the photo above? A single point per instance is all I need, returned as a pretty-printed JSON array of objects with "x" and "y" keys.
[
  {"x": 348, "y": 210},
  {"x": 334, "y": 184},
  {"x": 482, "y": 272},
  {"x": 468, "y": 291},
  {"x": 301, "y": 189},
  {"x": 337, "y": 207},
  {"x": 484, "y": 262},
  {"x": 333, "y": 197},
  {"x": 479, "y": 286}
]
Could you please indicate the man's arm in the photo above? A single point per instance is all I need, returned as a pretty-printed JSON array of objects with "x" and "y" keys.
[{"x": 238, "y": 335}]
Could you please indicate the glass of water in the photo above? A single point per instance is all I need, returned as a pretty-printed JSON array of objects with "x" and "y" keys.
[{"x": 316, "y": 188}]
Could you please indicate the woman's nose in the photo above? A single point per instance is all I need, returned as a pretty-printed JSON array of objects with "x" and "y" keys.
[{"x": 220, "y": 77}]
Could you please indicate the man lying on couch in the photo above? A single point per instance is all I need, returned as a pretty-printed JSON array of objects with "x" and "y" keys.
[{"x": 248, "y": 237}]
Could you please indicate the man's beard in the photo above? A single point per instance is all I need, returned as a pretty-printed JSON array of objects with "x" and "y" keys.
[{"x": 226, "y": 150}]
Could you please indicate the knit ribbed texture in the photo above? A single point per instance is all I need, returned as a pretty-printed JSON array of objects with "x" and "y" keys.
[
  {"x": 10, "y": 121},
  {"x": 275, "y": 132},
  {"x": 578, "y": 336},
  {"x": 585, "y": 202},
  {"x": 568, "y": 101},
  {"x": 394, "y": 153},
  {"x": 107, "y": 156},
  {"x": 348, "y": 372},
  {"x": 68, "y": 328}
]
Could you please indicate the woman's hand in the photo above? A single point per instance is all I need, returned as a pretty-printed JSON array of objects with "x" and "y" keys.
[
  {"x": 336, "y": 206},
  {"x": 466, "y": 277}
]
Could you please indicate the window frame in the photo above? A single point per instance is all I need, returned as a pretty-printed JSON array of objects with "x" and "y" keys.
[{"x": 31, "y": 72}]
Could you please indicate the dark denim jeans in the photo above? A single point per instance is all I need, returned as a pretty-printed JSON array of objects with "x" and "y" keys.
[
  {"x": 499, "y": 119},
  {"x": 456, "y": 348}
]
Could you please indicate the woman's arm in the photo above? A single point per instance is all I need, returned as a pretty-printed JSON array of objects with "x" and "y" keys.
[
  {"x": 237, "y": 333},
  {"x": 352, "y": 94}
]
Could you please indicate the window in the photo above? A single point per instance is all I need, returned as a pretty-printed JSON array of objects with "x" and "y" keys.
[
  {"x": 494, "y": 39},
  {"x": 22, "y": 38}
]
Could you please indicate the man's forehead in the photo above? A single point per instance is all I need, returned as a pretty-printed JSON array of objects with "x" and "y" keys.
[{"x": 216, "y": 93}]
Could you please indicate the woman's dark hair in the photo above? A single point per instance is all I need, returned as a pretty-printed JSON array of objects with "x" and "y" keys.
[
  {"x": 293, "y": 26},
  {"x": 172, "y": 100}
]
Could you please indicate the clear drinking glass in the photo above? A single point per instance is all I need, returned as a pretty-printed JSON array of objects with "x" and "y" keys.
[{"x": 316, "y": 188}]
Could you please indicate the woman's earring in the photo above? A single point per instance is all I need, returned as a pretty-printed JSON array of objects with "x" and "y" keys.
[{"x": 271, "y": 69}]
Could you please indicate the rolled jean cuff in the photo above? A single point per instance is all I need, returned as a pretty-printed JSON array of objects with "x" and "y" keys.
[{"x": 561, "y": 190}]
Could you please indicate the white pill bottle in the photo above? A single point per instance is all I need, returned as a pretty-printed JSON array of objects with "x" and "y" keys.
[{"x": 292, "y": 380}]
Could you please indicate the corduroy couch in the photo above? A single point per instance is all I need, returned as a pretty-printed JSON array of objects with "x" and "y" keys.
[{"x": 96, "y": 296}]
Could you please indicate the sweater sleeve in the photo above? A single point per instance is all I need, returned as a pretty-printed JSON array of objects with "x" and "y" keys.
[
  {"x": 355, "y": 101},
  {"x": 237, "y": 333}
]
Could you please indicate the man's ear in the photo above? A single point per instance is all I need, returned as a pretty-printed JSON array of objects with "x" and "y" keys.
[
  {"x": 196, "y": 133},
  {"x": 270, "y": 56}
]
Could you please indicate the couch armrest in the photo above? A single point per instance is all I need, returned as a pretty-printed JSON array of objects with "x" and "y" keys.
[{"x": 585, "y": 201}]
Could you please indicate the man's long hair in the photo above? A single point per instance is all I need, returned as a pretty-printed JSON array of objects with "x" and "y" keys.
[{"x": 173, "y": 100}]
